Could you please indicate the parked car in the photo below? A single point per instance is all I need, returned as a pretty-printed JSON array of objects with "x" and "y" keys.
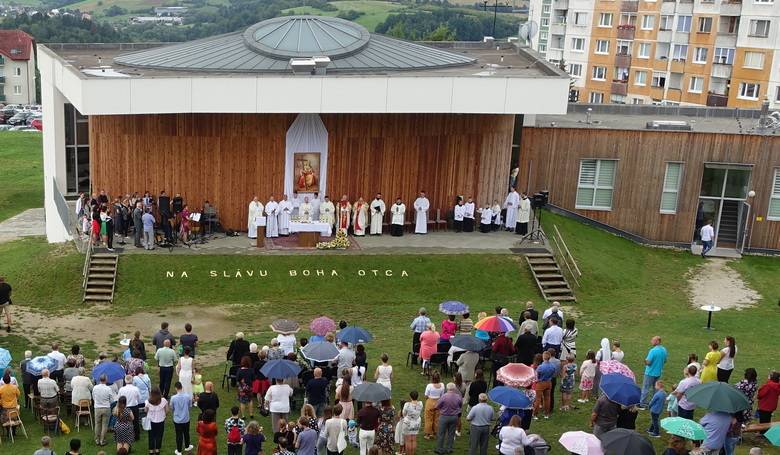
[
  {"x": 37, "y": 124},
  {"x": 6, "y": 114},
  {"x": 19, "y": 119},
  {"x": 33, "y": 116}
]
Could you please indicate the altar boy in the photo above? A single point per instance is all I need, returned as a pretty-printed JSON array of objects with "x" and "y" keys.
[{"x": 486, "y": 219}]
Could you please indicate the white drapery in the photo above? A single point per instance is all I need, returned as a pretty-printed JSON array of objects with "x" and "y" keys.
[{"x": 307, "y": 134}]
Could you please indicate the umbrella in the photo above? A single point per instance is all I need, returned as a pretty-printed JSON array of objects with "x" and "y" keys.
[
  {"x": 613, "y": 366},
  {"x": 113, "y": 371},
  {"x": 495, "y": 324},
  {"x": 516, "y": 375},
  {"x": 684, "y": 428},
  {"x": 320, "y": 352},
  {"x": 453, "y": 307},
  {"x": 280, "y": 369},
  {"x": 37, "y": 364},
  {"x": 620, "y": 389},
  {"x": 773, "y": 435},
  {"x": 5, "y": 358},
  {"x": 322, "y": 325},
  {"x": 468, "y": 343},
  {"x": 621, "y": 441},
  {"x": 717, "y": 396},
  {"x": 581, "y": 443},
  {"x": 371, "y": 391},
  {"x": 509, "y": 397},
  {"x": 285, "y": 326},
  {"x": 354, "y": 335}
]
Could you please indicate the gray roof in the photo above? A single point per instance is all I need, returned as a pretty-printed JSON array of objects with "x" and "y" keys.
[{"x": 267, "y": 47}]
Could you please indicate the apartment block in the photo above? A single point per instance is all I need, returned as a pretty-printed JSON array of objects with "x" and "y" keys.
[
  {"x": 17, "y": 67},
  {"x": 683, "y": 52}
]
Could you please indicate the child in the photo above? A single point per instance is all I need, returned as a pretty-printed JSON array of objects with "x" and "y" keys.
[
  {"x": 281, "y": 448},
  {"x": 587, "y": 373},
  {"x": 568, "y": 372},
  {"x": 352, "y": 433},
  {"x": 253, "y": 439},
  {"x": 284, "y": 431},
  {"x": 656, "y": 408},
  {"x": 234, "y": 429},
  {"x": 197, "y": 384},
  {"x": 671, "y": 406}
]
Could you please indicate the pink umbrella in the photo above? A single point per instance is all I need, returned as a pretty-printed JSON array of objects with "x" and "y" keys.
[
  {"x": 516, "y": 375},
  {"x": 322, "y": 325},
  {"x": 613, "y": 366},
  {"x": 581, "y": 443}
]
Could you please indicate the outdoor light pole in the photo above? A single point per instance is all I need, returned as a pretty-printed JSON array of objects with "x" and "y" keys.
[{"x": 495, "y": 15}]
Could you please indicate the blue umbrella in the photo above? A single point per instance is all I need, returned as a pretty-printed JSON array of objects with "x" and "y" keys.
[
  {"x": 5, "y": 358},
  {"x": 113, "y": 371},
  {"x": 320, "y": 352},
  {"x": 354, "y": 335},
  {"x": 453, "y": 307},
  {"x": 509, "y": 397},
  {"x": 37, "y": 364},
  {"x": 620, "y": 389},
  {"x": 280, "y": 369}
]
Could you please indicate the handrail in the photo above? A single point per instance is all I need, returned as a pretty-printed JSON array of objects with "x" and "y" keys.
[
  {"x": 87, "y": 259},
  {"x": 562, "y": 250},
  {"x": 567, "y": 250},
  {"x": 565, "y": 261}
]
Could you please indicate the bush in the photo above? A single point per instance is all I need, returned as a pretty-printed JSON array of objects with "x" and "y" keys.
[{"x": 349, "y": 15}]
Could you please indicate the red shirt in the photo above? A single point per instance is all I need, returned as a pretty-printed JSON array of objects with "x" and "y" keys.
[
  {"x": 768, "y": 395},
  {"x": 503, "y": 345}
]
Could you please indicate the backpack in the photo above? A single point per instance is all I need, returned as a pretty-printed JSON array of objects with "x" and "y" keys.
[{"x": 234, "y": 435}]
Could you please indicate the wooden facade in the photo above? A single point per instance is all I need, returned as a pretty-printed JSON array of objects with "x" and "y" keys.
[
  {"x": 550, "y": 160},
  {"x": 229, "y": 158}
]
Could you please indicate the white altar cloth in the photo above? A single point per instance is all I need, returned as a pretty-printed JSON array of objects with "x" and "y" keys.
[{"x": 324, "y": 229}]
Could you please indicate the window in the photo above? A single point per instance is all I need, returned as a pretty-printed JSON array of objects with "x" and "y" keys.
[
  {"x": 617, "y": 99},
  {"x": 596, "y": 97},
  {"x": 774, "y": 200},
  {"x": 648, "y": 22},
  {"x": 624, "y": 47},
  {"x": 728, "y": 25},
  {"x": 700, "y": 55},
  {"x": 542, "y": 47},
  {"x": 545, "y": 9},
  {"x": 748, "y": 90},
  {"x": 724, "y": 55},
  {"x": 621, "y": 75},
  {"x": 18, "y": 71},
  {"x": 777, "y": 94},
  {"x": 754, "y": 60},
  {"x": 575, "y": 69},
  {"x": 602, "y": 46},
  {"x": 628, "y": 19},
  {"x": 705, "y": 24},
  {"x": 659, "y": 79},
  {"x": 545, "y": 22},
  {"x": 684, "y": 23},
  {"x": 675, "y": 81},
  {"x": 581, "y": 19},
  {"x": 578, "y": 44},
  {"x": 543, "y": 36},
  {"x": 644, "y": 50},
  {"x": 599, "y": 73},
  {"x": 764, "y": 1},
  {"x": 680, "y": 52},
  {"x": 696, "y": 85},
  {"x": 595, "y": 185},
  {"x": 640, "y": 78},
  {"x": 605, "y": 20},
  {"x": 661, "y": 51},
  {"x": 637, "y": 101},
  {"x": 666, "y": 23},
  {"x": 671, "y": 188},
  {"x": 759, "y": 27},
  {"x": 574, "y": 95},
  {"x": 17, "y": 89}
]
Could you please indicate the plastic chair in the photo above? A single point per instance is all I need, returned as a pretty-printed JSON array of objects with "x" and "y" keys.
[
  {"x": 14, "y": 421},
  {"x": 83, "y": 409}
]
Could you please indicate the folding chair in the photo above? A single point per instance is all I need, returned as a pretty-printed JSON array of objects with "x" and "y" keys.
[
  {"x": 14, "y": 421},
  {"x": 50, "y": 419},
  {"x": 83, "y": 409},
  {"x": 229, "y": 374},
  {"x": 438, "y": 359}
]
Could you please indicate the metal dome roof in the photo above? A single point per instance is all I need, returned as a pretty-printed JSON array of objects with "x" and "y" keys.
[{"x": 305, "y": 36}]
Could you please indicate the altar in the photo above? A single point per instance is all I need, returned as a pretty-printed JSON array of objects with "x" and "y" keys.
[{"x": 309, "y": 233}]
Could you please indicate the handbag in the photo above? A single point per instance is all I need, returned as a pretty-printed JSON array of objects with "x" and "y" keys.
[{"x": 146, "y": 424}]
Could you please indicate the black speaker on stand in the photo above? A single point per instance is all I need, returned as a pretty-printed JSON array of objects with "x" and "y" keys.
[{"x": 538, "y": 202}]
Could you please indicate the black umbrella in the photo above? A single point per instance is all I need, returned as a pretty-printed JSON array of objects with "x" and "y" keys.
[
  {"x": 622, "y": 442},
  {"x": 468, "y": 343},
  {"x": 371, "y": 391}
]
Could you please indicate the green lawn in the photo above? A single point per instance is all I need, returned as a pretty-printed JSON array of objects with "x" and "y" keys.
[
  {"x": 21, "y": 185},
  {"x": 374, "y": 12}
]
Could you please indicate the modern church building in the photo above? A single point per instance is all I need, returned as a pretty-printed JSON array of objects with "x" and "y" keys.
[{"x": 248, "y": 113}]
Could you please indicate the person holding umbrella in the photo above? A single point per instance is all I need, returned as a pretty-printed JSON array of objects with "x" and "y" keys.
[
  {"x": 604, "y": 416},
  {"x": 716, "y": 425}
]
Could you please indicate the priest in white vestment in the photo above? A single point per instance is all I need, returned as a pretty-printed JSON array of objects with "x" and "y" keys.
[
  {"x": 377, "y": 214},
  {"x": 421, "y": 206},
  {"x": 457, "y": 215},
  {"x": 397, "y": 213},
  {"x": 295, "y": 202},
  {"x": 360, "y": 217},
  {"x": 485, "y": 219},
  {"x": 496, "y": 208},
  {"x": 285, "y": 210},
  {"x": 523, "y": 215},
  {"x": 315, "y": 207},
  {"x": 511, "y": 204},
  {"x": 468, "y": 216},
  {"x": 255, "y": 210},
  {"x": 305, "y": 211},
  {"x": 343, "y": 212},
  {"x": 327, "y": 211},
  {"x": 271, "y": 212}
]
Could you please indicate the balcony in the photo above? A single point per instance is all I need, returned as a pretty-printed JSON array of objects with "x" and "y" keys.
[
  {"x": 721, "y": 70},
  {"x": 561, "y": 4},
  {"x": 619, "y": 87},
  {"x": 558, "y": 29},
  {"x": 629, "y": 6},
  {"x": 626, "y": 32},
  {"x": 716, "y": 100}
]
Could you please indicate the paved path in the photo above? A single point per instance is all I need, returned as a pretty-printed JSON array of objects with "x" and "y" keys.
[{"x": 26, "y": 224}]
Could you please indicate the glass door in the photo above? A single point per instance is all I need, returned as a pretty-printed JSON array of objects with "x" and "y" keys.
[{"x": 724, "y": 189}]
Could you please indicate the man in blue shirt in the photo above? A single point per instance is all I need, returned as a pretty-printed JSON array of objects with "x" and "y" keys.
[
  {"x": 418, "y": 326},
  {"x": 544, "y": 374},
  {"x": 180, "y": 406},
  {"x": 148, "y": 222},
  {"x": 654, "y": 368}
]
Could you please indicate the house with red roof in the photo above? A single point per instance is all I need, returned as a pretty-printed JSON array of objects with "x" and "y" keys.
[{"x": 17, "y": 67}]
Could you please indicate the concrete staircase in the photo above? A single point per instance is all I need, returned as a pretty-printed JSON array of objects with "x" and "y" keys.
[
  {"x": 549, "y": 277},
  {"x": 100, "y": 278}
]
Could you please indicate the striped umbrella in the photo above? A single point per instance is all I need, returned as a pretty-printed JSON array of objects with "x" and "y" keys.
[{"x": 495, "y": 324}]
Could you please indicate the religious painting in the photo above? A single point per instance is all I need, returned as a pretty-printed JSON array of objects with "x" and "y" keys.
[{"x": 306, "y": 172}]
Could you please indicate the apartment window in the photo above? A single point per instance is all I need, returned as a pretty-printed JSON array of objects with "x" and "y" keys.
[
  {"x": 602, "y": 46},
  {"x": 728, "y": 25},
  {"x": 605, "y": 20},
  {"x": 574, "y": 95},
  {"x": 774, "y": 200},
  {"x": 696, "y": 84},
  {"x": 764, "y": 1},
  {"x": 666, "y": 23},
  {"x": 17, "y": 89},
  {"x": 637, "y": 101},
  {"x": 648, "y": 22},
  {"x": 661, "y": 51},
  {"x": 575, "y": 69},
  {"x": 545, "y": 9},
  {"x": 680, "y": 52},
  {"x": 595, "y": 185},
  {"x": 617, "y": 99},
  {"x": 545, "y": 22},
  {"x": 621, "y": 74},
  {"x": 724, "y": 55},
  {"x": 18, "y": 71},
  {"x": 700, "y": 55},
  {"x": 759, "y": 27},
  {"x": 748, "y": 90},
  {"x": 628, "y": 19},
  {"x": 644, "y": 50},
  {"x": 675, "y": 81},
  {"x": 542, "y": 47},
  {"x": 684, "y": 23},
  {"x": 581, "y": 19},
  {"x": 599, "y": 73},
  {"x": 671, "y": 189},
  {"x": 705, "y": 24},
  {"x": 640, "y": 78},
  {"x": 578, "y": 44},
  {"x": 543, "y": 35},
  {"x": 754, "y": 60},
  {"x": 596, "y": 97},
  {"x": 777, "y": 94},
  {"x": 624, "y": 47}
]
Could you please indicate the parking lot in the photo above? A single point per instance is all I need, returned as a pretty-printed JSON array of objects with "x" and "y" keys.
[{"x": 18, "y": 117}]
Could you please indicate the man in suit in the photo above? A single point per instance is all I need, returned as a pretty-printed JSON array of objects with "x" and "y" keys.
[
  {"x": 138, "y": 225},
  {"x": 164, "y": 205}
]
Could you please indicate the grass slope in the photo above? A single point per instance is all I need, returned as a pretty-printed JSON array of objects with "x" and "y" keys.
[
  {"x": 21, "y": 156},
  {"x": 374, "y": 12}
]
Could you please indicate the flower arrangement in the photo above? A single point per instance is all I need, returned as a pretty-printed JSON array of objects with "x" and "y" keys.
[{"x": 341, "y": 242}]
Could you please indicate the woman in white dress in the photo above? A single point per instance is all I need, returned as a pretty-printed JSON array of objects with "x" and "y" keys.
[
  {"x": 184, "y": 370},
  {"x": 384, "y": 373}
]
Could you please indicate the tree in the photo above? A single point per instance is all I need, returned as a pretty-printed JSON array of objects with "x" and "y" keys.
[{"x": 442, "y": 33}]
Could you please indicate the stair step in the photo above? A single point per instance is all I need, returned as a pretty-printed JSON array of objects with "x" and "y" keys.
[
  {"x": 566, "y": 298},
  {"x": 538, "y": 255},
  {"x": 553, "y": 283},
  {"x": 541, "y": 261},
  {"x": 546, "y": 268},
  {"x": 100, "y": 275},
  {"x": 105, "y": 262},
  {"x": 549, "y": 276},
  {"x": 104, "y": 298},
  {"x": 558, "y": 290},
  {"x": 101, "y": 268},
  {"x": 105, "y": 255},
  {"x": 90, "y": 294}
]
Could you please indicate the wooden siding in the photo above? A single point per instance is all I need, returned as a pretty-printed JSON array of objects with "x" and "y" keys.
[
  {"x": 228, "y": 158},
  {"x": 550, "y": 158}
]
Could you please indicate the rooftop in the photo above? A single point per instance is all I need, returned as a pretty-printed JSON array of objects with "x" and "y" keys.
[{"x": 15, "y": 44}]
